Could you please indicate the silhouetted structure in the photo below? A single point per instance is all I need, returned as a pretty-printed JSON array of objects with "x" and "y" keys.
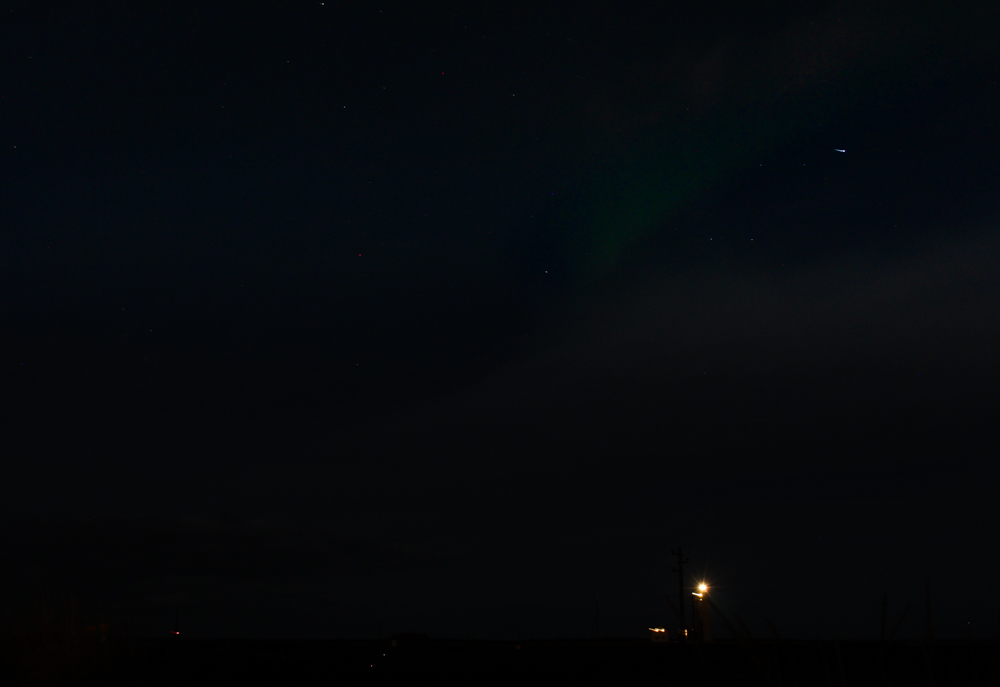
[
  {"x": 702, "y": 614},
  {"x": 679, "y": 569}
]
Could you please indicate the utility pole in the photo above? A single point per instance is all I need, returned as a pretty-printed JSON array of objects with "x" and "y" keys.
[
  {"x": 679, "y": 569},
  {"x": 597, "y": 608}
]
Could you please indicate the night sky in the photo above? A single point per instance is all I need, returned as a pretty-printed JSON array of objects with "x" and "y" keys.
[{"x": 329, "y": 319}]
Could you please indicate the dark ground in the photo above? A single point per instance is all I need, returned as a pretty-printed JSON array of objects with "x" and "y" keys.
[{"x": 624, "y": 661}]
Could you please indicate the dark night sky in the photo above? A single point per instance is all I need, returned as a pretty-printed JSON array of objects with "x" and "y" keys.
[{"x": 456, "y": 318}]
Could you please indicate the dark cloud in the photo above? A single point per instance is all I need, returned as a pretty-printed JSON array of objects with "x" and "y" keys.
[
  {"x": 726, "y": 339},
  {"x": 152, "y": 565}
]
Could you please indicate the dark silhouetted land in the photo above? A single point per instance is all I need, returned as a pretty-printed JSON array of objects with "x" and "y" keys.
[{"x": 622, "y": 661}]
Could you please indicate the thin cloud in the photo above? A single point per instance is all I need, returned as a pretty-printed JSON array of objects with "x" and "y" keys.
[{"x": 152, "y": 562}]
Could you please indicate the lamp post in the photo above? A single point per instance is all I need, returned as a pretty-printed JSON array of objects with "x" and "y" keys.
[{"x": 702, "y": 617}]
